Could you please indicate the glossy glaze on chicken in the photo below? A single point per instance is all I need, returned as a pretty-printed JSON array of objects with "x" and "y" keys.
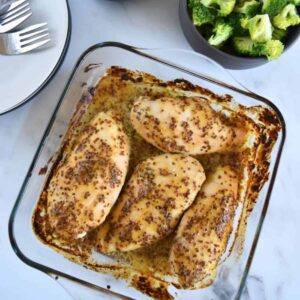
[
  {"x": 88, "y": 181},
  {"x": 205, "y": 228},
  {"x": 183, "y": 125},
  {"x": 156, "y": 196}
]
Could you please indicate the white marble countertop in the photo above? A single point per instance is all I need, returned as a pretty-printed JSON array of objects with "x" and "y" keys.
[{"x": 154, "y": 23}]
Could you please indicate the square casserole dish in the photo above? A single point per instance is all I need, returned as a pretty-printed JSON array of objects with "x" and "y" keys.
[{"x": 163, "y": 64}]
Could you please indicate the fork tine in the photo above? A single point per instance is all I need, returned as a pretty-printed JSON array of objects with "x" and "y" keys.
[
  {"x": 15, "y": 23},
  {"x": 13, "y": 11},
  {"x": 30, "y": 41},
  {"x": 34, "y": 46},
  {"x": 32, "y": 28},
  {"x": 12, "y": 6},
  {"x": 15, "y": 16},
  {"x": 31, "y": 34}
]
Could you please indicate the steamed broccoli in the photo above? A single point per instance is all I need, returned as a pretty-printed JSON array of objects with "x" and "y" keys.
[
  {"x": 201, "y": 14},
  {"x": 249, "y": 7},
  {"x": 221, "y": 32},
  {"x": 287, "y": 17},
  {"x": 252, "y": 27},
  {"x": 273, "y": 7},
  {"x": 245, "y": 46},
  {"x": 260, "y": 28},
  {"x": 223, "y": 7},
  {"x": 278, "y": 34}
]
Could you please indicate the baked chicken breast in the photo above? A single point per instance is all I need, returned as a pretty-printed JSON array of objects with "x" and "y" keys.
[
  {"x": 182, "y": 125},
  {"x": 87, "y": 182},
  {"x": 160, "y": 190},
  {"x": 205, "y": 229}
]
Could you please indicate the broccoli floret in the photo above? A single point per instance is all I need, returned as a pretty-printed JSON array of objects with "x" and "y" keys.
[
  {"x": 287, "y": 17},
  {"x": 295, "y": 2},
  {"x": 221, "y": 32},
  {"x": 191, "y": 3},
  {"x": 245, "y": 46},
  {"x": 273, "y": 7},
  {"x": 278, "y": 34},
  {"x": 200, "y": 13},
  {"x": 250, "y": 8},
  {"x": 234, "y": 20},
  {"x": 223, "y": 7},
  {"x": 273, "y": 49},
  {"x": 260, "y": 28}
]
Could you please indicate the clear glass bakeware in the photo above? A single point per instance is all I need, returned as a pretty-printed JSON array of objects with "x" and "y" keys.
[{"x": 167, "y": 64}]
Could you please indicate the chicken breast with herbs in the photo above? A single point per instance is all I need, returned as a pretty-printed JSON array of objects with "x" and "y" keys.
[
  {"x": 87, "y": 182},
  {"x": 183, "y": 125},
  {"x": 159, "y": 191},
  {"x": 205, "y": 229}
]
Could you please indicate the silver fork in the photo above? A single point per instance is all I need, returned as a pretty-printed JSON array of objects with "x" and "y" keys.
[
  {"x": 24, "y": 40},
  {"x": 16, "y": 13}
]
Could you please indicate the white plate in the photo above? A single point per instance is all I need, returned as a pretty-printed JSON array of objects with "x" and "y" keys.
[{"x": 22, "y": 76}]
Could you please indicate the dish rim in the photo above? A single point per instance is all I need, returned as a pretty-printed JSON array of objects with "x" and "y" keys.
[{"x": 142, "y": 52}]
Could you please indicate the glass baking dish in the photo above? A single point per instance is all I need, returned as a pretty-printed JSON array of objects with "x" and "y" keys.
[{"x": 166, "y": 65}]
